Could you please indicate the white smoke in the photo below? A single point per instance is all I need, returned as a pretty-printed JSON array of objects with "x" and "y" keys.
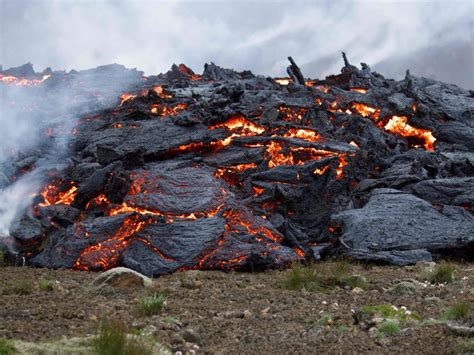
[{"x": 241, "y": 34}]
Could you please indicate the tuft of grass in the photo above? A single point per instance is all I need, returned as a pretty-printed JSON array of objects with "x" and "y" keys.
[
  {"x": 21, "y": 287},
  {"x": 321, "y": 277},
  {"x": 325, "y": 320},
  {"x": 302, "y": 277},
  {"x": 45, "y": 285},
  {"x": 112, "y": 339},
  {"x": 443, "y": 273},
  {"x": 152, "y": 305},
  {"x": 458, "y": 311},
  {"x": 388, "y": 328},
  {"x": 6, "y": 347}
]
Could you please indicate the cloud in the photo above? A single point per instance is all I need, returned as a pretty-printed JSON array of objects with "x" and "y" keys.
[{"x": 151, "y": 35}]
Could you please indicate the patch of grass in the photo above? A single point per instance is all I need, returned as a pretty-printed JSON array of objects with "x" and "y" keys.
[
  {"x": 387, "y": 311},
  {"x": 458, "y": 311},
  {"x": 21, "y": 287},
  {"x": 45, "y": 285},
  {"x": 443, "y": 273},
  {"x": 112, "y": 339},
  {"x": 6, "y": 347},
  {"x": 388, "y": 328},
  {"x": 302, "y": 277},
  {"x": 342, "y": 328},
  {"x": 152, "y": 305},
  {"x": 325, "y": 320},
  {"x": 464, "y": 347},
  {"x": 321, "y": 277}
]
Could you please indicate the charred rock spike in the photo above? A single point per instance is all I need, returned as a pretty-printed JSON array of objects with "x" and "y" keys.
[{"x": 295, "y": 73}]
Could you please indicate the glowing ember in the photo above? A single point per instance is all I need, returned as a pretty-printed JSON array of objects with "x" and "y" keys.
[
  {"x": 304, "y": 134},
  {"x": 399, "y": 125},
  {"x": 292, "y": 114},
  {"x": 161, "y": 93},
  {"x": 241, "y": 125},
  {"x": 162, "y": 110},
  {"x": 126, "y": 97},
  {"x": 257, "y": 190},
  {"x": 228, "y": 173},
  {"x": 321, "y": 171},
  {"x": 282, "y": 81},
  {"x": 12, "y": 80},
  {"x": 365, "y": 110},
  {"x": 340, "y": 168},
  {"x": 52, "y": 195},
  {"x": 322, "y": 88},
  {"x": 354, "y": 144},
  {"x": 278, "y": 155},
  {"x": 360, "y": 90},
  {"x": 185, "y": 70}
]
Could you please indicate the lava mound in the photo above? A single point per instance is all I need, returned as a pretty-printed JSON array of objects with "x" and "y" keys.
[{"x": 232, "y": 171}]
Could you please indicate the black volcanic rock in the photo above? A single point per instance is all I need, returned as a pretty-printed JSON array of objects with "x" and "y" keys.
[{"x": 233, "y": 171}]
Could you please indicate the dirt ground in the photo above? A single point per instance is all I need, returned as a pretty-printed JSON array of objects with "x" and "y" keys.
[{"x": 237, "y": 312}]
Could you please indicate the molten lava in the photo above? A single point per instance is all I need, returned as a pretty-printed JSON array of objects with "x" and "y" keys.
[
  {"x": 162, "y": 110},
  {"x": 305, "y": 134},
  {"x": 282, "y": 81},
  {"x": 53, "y": 196},
  {"x": 399, "y": 125},
  {"x": 12, "y": 80},
  {"x": 365, "y": 110}
]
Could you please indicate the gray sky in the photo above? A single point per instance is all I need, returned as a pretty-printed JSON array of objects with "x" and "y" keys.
[{"x": 432, "y": 38}]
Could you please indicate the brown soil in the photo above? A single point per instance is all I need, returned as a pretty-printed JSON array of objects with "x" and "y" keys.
[{"x": 236, "y": 312}]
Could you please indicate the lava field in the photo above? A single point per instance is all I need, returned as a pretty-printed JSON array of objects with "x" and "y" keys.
[{"x": 234, "y": 171}]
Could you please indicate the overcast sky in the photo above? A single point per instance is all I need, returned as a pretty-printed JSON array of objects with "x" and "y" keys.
[{"x": 432, "y": 38}]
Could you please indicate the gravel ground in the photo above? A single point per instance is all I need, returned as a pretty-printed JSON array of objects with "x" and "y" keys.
[{"x": 236, "y": 312}]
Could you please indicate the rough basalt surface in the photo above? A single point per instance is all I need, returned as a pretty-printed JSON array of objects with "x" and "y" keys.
[{"x": 229, "y": 170}]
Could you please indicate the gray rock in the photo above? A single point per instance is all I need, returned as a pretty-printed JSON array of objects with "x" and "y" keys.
[
  {"x": 406, "y": 287},
  {"x": 121, "y": 277},
  {"x": 392, "y": 227},
  {"x": 190, "y": 336}
]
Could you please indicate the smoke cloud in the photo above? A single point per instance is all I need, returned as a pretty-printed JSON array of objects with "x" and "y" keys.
[{"x": 391, "y": 36}]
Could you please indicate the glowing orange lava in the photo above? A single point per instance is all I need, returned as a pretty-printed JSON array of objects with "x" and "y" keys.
[
  {"x": 292, "y": 114},
  {"x": 282, "y": 81},
  {"x": 305, "y": 134},
  {"x": 365, "y": 110},
  {"x": 52, "y": 195},
  {"x": 12, "y": 80},
  {"x": 360, "y": 90},
  {"x": 162, "y": 110},
  {"x": 399, "y": 125}
]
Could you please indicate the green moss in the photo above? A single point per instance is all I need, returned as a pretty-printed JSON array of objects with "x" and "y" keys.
[
  {"x": 152, "y": 305},
  {"x": 6, "y": 347},
  {"x": 388, "y": 328},
  {"x": 458, "y": 311},
  {"x": 45, "y": 285}
]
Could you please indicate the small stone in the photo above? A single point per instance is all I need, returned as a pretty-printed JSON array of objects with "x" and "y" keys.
[
  {"x": 190, "y": 336},
  {"x": 247, "y": 314},
  {"x": 406, "y": 287},
  {"x": 432, "y": 300},
  {"x": 357, "y": 290}
]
